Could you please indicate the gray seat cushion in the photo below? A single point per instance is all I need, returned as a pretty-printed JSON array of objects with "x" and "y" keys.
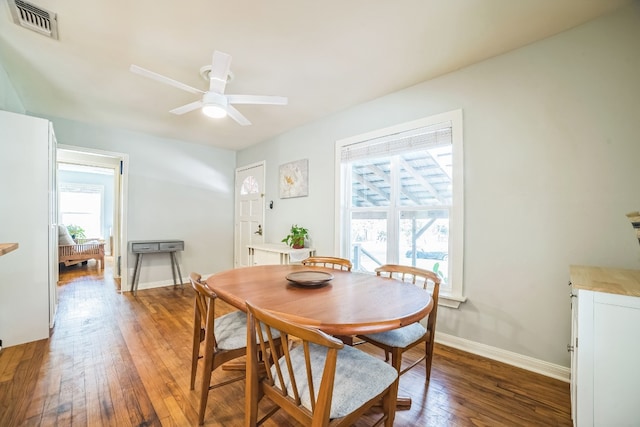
[
  {"x": 231, "y": 331},
  {"x": 359, "y": 377},
  {"x": 400, "y": 337}
]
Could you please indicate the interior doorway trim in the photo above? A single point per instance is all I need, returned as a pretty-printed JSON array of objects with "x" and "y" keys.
[{"x": 72, "y": 151}]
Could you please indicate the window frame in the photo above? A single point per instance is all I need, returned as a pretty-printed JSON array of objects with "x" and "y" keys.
[{"x": 450, "y": 296}]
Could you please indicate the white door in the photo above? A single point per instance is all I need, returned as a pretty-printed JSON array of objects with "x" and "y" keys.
[{"x": 249, "y": 216}]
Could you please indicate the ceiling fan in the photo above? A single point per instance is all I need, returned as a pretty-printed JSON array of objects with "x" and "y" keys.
[{"x": 214, "y": 102}]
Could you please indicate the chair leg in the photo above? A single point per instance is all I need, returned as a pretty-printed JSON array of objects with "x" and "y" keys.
[
  {"x": 204, "y": 390},
  {"x": 396, "y": 358},
  {"x": 194, "y": 354},
  {"x": 389, "y": 403},
  {"x": 428, "y": 359}
]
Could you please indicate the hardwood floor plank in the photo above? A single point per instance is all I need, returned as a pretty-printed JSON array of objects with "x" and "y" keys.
[
  {"x": 10, "y": 359},
  {"x": 118, "y": 360}
]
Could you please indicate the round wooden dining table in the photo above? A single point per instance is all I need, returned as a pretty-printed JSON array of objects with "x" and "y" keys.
[{"x": 348, "y": 304}]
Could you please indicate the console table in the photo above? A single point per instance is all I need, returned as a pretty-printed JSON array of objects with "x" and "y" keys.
[
  {"x": 141, "y": 247},
  {"x": 277, "y": 253}
]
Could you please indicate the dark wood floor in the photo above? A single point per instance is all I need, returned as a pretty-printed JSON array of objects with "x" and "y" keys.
[{"x": 115, "y": 359}]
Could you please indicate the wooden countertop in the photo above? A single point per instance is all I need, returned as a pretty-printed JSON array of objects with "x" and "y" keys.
[
  {"x": 5, "y": 248},
  {"x": 609, "y": 280}
]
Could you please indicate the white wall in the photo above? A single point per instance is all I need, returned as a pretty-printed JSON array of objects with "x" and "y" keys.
[
  {"x": 177, "y": 190},
  {"x": 551, "y": 168},
  {"x": 9, "y": 99}
]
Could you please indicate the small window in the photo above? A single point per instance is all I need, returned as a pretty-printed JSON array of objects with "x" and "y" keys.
[
  {"x": 82, "y": 205},
  {"x": 249, "y": 186}
]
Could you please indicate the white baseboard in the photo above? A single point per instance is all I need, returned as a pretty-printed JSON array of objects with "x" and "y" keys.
[
  {"x": 158, "y": 284},
  {"x": 161, "y": 283},
  {"x": 525, "y": 362}
]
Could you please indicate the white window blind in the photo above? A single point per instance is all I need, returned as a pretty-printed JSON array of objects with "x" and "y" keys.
[{"x": 402, "y": 142}]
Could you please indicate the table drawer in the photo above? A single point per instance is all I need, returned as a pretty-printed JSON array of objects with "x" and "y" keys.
[
  {"x": 145, "y": 247},
  {"x": 172, "y": 246}
]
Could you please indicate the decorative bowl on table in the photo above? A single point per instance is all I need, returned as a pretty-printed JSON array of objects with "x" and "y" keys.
[{"x": 309, "y": 278}]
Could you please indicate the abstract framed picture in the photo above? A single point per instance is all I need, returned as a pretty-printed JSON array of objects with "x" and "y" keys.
[{"x": 294, "y": 179}]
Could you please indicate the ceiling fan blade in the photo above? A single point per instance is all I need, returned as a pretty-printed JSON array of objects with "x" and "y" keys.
[
  {"x": 163, "y": 79},
  {"x": 187, "y": 108},
  {"x": 237, "y": 116},
  {"x": 257, "y": 99},
  {"x": 219, "y": 71}
]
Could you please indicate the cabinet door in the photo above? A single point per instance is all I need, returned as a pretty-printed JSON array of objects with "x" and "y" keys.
[
  {"x": 584, "y": 363},
  {"x": 265, "y": 257},
  {"x": 573, "y": 348},
  {"x": 616, "y": 347}
]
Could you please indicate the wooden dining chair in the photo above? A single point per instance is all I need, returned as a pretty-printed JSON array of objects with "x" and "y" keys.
[
  {"x": 397, "y": 341},
  {"x": 329, "y": 261},
  {"x": 315, "y": 378},
  {"x": 224, "y": 337},
  {"x": 337, "y": 264}
]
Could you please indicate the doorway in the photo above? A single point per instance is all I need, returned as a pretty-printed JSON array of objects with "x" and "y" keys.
[
  {"x": 249, "y": 210},
  {"x": 92, "y": 188}
]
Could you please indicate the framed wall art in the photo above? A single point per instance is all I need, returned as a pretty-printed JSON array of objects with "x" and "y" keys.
[{"x": 294, "y": 179}]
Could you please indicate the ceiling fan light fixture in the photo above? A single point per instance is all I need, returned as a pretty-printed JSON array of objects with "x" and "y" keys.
[
  {"x": 214, "y": 105},
  {"x": 214, "y": 111}
]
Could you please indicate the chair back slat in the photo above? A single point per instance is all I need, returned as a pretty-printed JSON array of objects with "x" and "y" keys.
[
  {"x": 307, "y": 360},
  {"x": 330, "y": 262}
]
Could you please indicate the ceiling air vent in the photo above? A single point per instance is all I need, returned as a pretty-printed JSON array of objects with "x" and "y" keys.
[{"x": 34, "y": 18}]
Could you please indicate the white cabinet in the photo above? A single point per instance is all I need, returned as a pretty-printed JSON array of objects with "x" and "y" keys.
[
  {"x": 28, "y": 275},
  {"x": 605, "y": 373},
  {"x": 276, "y": 253}
]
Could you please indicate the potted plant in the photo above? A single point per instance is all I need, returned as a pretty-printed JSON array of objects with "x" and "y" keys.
[
  {"x": 76, "y": 232},
  {"x": 296, "y": 237}
]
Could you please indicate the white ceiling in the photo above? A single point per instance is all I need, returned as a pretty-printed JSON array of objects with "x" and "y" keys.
[{"x": 325, "y": 56}]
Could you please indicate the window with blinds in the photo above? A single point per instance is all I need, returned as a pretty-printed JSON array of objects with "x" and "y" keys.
[{"x": 399, "y": 197}]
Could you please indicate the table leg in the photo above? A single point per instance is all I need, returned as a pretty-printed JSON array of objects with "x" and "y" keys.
[
  {"x": 173, "y": 268},
  {"x": 136, "y": 274},
  {"x": 403, "y": 403},
  {"x": 175, "y": 260}
]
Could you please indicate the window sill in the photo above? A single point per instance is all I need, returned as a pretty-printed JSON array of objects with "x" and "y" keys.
[{"x": 451, "y": 301}]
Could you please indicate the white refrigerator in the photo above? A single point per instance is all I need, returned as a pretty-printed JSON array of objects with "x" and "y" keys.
[{"x": 28, "y": 211}]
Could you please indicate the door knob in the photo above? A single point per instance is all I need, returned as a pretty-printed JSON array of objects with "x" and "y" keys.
[{"x": 259, "y": 232}]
